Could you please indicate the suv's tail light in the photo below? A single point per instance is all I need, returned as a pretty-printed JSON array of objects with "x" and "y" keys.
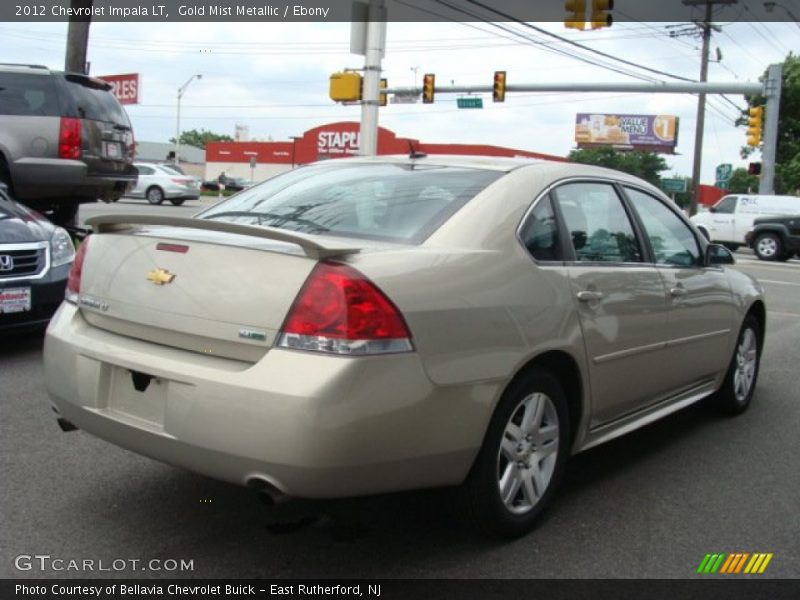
[
  {"x": 338, "y": 310},
  {"x": 74, "y": 279},
  {"x": 69, "y": 138}
]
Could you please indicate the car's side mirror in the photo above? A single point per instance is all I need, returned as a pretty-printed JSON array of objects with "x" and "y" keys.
[
  {"x": 718, "y": 255},
  {"x": 712, "y": 209}
]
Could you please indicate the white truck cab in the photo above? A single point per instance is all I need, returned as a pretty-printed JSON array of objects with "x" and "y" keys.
[{"x": 729, "y": 220}]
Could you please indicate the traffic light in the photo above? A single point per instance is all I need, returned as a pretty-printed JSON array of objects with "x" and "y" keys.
[
  {"x": 755, "y": 122},
  {"x": 345, "y": 87},
  {"x": 499, "y": 89},
  {"x": 382, "y": 99},
  {"x": 428, "y": 88},
  {"x": 576, "y": 14},
  {"x": 754, "y": 168},
  {"x": 601, "y": 17}
]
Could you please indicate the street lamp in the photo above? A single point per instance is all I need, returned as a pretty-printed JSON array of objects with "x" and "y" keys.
[{"x": 181, "y": 90}]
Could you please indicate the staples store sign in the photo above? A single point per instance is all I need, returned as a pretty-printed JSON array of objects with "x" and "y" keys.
[
  {"x": 124, "y": 87},
  {"x": 338, "y": 142}
]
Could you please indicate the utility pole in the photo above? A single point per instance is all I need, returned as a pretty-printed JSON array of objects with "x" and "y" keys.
[
  {"x": 78, "y": 37},
  {"x": 374, "y": 50},
  {"x": 707, "y": 26}
]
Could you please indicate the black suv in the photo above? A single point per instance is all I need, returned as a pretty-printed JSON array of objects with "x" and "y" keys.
[
  {"x": 64, "y": 139},
  {"x": 775, "y": 238}
]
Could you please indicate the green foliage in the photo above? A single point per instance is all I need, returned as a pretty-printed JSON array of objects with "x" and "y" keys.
[
  {"x": 742, "y": 183},
  {"x": 787, "y": 169},
  {"x": 646, "y": 165},
  {"x": 199, "y": 139}
]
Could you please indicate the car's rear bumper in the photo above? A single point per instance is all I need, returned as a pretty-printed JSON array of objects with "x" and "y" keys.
[
  {"x": 310, "y": 425},
  {"x": 61, "y": 179}
]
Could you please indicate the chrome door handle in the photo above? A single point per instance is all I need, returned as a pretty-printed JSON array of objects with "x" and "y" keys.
[
  {"x": 677, "y": 292},
  {"x": 588, "y": 296}
]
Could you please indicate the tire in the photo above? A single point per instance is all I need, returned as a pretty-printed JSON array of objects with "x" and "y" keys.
[
  {"x": 737, "y": 389},
  {"x": 768, "y": 246},
  {"x": 731, "y": 247},
  {"x": 177, "y": 201},
  {"x": 65, "y": 215},
  {"x": 5, "y": 175},
  {"x": 154, "y": 195},
  {"x": 527, "y": 468}
]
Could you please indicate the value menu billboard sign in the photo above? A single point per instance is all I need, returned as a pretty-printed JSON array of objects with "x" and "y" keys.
[
  {"x": 654, "y": 133},
  {"x": 124, "y": 87}
]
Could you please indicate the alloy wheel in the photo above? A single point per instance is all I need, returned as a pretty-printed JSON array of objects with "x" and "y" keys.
[
  {"x": 528, "y": 452},
  {"x": 746, "y": 361}
]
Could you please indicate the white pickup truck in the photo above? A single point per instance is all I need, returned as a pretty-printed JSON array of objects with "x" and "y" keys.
[{"x": 730, "y": 219}]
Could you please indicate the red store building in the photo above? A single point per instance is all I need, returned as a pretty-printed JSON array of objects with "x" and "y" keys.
[{"x": 334, "y": 140}]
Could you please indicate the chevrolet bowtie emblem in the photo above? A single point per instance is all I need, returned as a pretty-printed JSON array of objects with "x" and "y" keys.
[{"x": 160, "y": 276}]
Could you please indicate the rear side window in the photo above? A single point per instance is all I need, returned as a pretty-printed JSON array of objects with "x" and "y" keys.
[
  {"x": 403, "y": 203},
  {"x": 143, "y": 170},
  {"x": 28, "y": 95},
  {"x": 598, "y": 225},
  {"x": 94, "y": 102},
  {"x": 540, "y": 232}
]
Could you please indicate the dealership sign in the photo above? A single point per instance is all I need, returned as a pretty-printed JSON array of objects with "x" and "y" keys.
[
  {"x": 655, "y": 133},
  {"x": 124, "y": 87}
]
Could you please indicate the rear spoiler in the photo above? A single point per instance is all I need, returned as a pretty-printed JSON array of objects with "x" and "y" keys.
[{"x": 311, "y": 247}]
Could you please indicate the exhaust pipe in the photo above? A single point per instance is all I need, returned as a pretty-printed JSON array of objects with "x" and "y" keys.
[
  {"x": 267, "y": 491},
  {"x": 65, "y": 425}
]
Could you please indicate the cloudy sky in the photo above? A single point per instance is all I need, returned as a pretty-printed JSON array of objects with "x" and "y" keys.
[{"x": 274, "y": 77}]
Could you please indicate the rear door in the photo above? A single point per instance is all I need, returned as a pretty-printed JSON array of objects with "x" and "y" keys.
[
  {"x": 701, "y": 311},
  {"x": 107, "y": 134},
  {"x": 620, "y": 300}
]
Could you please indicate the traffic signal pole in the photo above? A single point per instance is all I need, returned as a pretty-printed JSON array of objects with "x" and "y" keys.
[
  {"x": 772, "y": 90},
  {"x": 375, "y": 45}
]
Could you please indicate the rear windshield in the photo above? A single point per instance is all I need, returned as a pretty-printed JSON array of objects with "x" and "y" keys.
[
  {"x": 403, "y": 203},
  {"x": 28, "y": 95},
  {"x": 95, "y": 102}
]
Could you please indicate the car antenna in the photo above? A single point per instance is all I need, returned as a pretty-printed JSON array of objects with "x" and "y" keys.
[{"x": 414, "y": 153}]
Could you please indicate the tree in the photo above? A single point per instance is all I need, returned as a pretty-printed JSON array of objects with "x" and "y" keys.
[
  {"x": 199, "y": 139},
  {"x": 742, "y": 182},
  {"x": 646, "y": 165},
  {"x": 787, "y": 167}
]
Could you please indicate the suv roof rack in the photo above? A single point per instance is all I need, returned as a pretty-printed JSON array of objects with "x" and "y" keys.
[{"x": 24, "y": 65}]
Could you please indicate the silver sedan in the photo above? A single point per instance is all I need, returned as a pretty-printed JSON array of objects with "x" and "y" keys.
[{"x": 157, "y": 183}]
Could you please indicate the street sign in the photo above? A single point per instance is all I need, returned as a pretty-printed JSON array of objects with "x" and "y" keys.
[
  {"x": 405, "y": 98},
  {"x": 724, "y": 171},
  {"x": 124, "y": 87},
  {"x": 469, "y": 102},
  {"x": 673, "y": 186}
]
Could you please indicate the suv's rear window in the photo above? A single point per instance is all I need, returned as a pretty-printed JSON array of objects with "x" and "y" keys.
[
  {"x": 94, "y": 102},
  {"x": 376, "y": 201},
  {"x": 28, "y": 95}
]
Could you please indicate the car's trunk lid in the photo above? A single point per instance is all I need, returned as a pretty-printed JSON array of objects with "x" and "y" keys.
[{"x": 210, "y": 286}]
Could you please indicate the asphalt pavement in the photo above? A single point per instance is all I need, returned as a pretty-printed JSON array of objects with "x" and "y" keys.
[{"x": 650, "y": 504}]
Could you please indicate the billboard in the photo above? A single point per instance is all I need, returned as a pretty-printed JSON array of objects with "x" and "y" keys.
[
  {"x": 125, "y": 87},
  {"x": 654, "y": 133}
]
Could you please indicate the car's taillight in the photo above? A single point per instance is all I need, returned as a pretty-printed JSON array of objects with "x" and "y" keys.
[
  {"x": 74, "y": 279},
  {"x": 340, "y": 311},
  {"x": 69, "y": 138}
]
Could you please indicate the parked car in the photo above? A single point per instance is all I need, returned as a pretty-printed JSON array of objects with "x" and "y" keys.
[
  {"x": 232, "y": 184},
  {"x": 730, "y": 219},
  {"x": 157, "y": 183},
  {"x": 64, "y": 140},
  {"x": 368, "y": 325},
  {"x": 35, "y": 259},
  {"x": 775, "y": 238}
]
